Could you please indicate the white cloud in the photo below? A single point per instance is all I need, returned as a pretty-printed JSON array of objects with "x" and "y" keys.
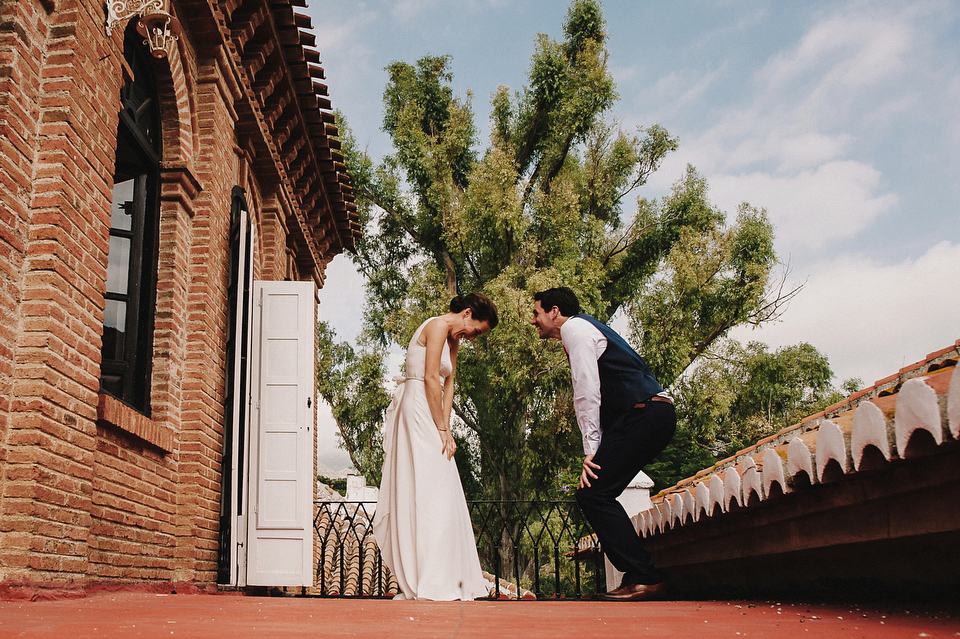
[
  {"x": 810, "y": 103},
  {"x": 871, "y": 318},
  {"x": 411, "y": 10},
  {"x": 788, "y": 143},
  {"x": 341, "y": 299},
  {"x": 842, "y": 53},
  {"x": 682, "y": 87},
  {"x": 810, "y": 210},
  {"x": 788, "y": 148},
  {"x": 345, "y": 36}
]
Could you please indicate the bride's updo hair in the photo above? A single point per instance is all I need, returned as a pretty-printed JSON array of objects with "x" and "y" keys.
[{"x": 482, "y": 307}]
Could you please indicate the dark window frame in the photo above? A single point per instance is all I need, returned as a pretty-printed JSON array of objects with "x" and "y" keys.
[
  {"x": 238, "y": 334},
  {"x": 128, "y": 351}
]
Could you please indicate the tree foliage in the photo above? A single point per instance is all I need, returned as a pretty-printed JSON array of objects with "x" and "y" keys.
[
  {"x": 352, "y": 385},
  {"x": 551, "y": 201},
  {"x": 736, "y": 395}
]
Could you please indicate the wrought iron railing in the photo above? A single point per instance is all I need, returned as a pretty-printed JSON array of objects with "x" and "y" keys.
[
  {"x": 542, "y": 546},
  {"x": 529, "y": 549},
  {"x": 345, "y": 551}
]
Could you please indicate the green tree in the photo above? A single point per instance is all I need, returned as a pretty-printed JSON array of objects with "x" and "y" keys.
[
  {"x": 547, "y": 203},
  {"x": 736, "y": 395},
  {"x": 353, "y": 387}
]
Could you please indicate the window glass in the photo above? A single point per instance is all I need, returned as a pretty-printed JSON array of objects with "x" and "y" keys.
[
  {"x": 118, "y": 266},
  {"x": 114, "y": 327},
  {"x": 121, "y": 217}
]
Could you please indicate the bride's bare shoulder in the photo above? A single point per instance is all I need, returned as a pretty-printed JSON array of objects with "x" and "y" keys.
[{"x": 435, "y": 330}]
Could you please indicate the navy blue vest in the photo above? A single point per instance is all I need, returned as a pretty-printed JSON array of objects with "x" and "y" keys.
[{"x": 625, "y": 379}]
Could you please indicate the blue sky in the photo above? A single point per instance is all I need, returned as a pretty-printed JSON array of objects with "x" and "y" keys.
[{"x": 838, "y": 118}]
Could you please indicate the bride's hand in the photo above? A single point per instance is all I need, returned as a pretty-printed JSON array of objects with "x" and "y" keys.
[{"x": 449, "y": 446}]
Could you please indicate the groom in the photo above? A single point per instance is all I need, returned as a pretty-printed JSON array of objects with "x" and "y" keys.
[{"x": 626, "y": 419}]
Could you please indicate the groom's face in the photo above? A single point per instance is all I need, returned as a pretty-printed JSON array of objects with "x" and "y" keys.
[{"x": 546, "y": 321}]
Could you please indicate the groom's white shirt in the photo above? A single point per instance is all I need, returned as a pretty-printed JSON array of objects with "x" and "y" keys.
[{"x": 584, "y": 344}]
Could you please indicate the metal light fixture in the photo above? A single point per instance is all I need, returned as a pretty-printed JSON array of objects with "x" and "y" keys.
[{"x": 157, "y": 26}]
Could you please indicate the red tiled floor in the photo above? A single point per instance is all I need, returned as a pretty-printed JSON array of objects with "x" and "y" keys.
[{"x": 234, "y": 617}]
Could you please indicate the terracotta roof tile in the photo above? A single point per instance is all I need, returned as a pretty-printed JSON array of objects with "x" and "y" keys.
[
  {"x": 917, "y": 409},
  {"x": 871, "y": 427},
  {"x": 800, "y": 459},
  {"x": 831, "y": 446},
  {"x": 941, "y": 353},
  {"x": 731, "y": 488},
  {"x": 886, "y": 380}
]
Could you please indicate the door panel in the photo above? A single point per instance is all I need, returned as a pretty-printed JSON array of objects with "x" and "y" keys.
[{"x": 280, "y": 535}]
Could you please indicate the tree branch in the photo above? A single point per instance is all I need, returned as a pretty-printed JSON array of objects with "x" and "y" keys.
[
  {"x": 772, "y": 308},
  {"x": 475, "y": 427}
]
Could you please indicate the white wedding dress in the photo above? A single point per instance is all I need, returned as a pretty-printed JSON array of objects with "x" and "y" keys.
[{"x": 422, "y": 524}]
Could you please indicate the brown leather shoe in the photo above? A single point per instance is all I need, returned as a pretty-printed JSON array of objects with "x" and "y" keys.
[{"x": 635, "y": 592}]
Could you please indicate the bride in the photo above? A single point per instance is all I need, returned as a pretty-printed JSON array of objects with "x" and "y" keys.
[{"x": 422, "y": 525}]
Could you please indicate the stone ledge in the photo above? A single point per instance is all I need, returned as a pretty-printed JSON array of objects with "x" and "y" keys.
[{"x": 111, "y": 410}]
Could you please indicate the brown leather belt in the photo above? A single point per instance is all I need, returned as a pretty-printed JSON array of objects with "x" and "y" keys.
[{"x": 655, "y": 398}]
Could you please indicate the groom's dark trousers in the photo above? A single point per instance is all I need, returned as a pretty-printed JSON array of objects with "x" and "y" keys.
[{"x": 626, "y": 446}]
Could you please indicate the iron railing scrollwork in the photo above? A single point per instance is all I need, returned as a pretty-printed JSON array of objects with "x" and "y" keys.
[
  {"x": 530, "y": 549},
  {"x": 346, "y": 556}
]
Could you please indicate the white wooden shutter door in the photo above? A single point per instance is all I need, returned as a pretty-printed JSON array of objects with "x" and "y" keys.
[{"x": 280, "y": 530}]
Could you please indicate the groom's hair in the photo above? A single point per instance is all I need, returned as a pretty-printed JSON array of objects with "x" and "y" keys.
[{"x": 562, "y": 297}]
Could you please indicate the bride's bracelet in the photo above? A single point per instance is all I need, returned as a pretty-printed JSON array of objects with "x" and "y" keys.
[{"x": 442, "y": 430}]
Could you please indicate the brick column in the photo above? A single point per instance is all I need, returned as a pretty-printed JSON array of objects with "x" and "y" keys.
[
  {"x": 19, "y": 83},
  {"x": 203, "y": 385},
  {"x": 70, "y": 109}
]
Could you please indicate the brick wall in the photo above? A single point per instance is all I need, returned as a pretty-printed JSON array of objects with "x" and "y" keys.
[
  {"x": 50, "y": 436},
  {"x": 20, "y": 29},
  {"x": 201, "y": 432},
  {"x": 90, "y": 489}
]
